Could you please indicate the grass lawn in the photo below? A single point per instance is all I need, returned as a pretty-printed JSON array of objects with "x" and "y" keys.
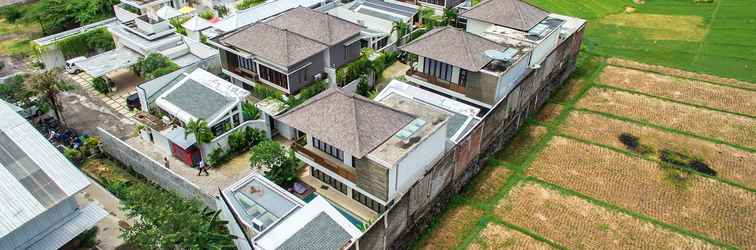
[
  {"x": 15, "y": 39},
  {"x": 716, "y": 38}
]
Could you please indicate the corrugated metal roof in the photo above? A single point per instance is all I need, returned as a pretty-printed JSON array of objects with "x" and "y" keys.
[
  {"x": 80, "y": 221},
  {"x": 18, "y": 204}
]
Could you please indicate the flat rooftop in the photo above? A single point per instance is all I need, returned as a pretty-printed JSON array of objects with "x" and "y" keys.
[
  {"x": 428, "y": 120},
  {"x": 256, "y": 201}
]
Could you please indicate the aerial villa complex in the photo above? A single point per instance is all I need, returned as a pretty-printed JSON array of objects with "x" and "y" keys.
[{"x": 373, "y": 169}]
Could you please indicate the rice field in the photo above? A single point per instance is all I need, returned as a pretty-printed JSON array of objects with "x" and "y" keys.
[
  {"x": 682, "y": 90},
  {"x": 729, "y": 162},
  {"x": 678, "y": 78},
  {"x": 691, "y": 201},
  {"x": 734, "y": 129},
  {"x": 578, "y": 224}
]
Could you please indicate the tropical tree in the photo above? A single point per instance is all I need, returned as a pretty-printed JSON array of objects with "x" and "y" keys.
[
  {"x": 426, "y": 16},
  {"x": 48, "y": 85},
  {"x": 281, "y": 165},
  {"x": 401, "y": 29},
  {"x": 166, "y": 221},
  {"x": 449, "y": 17},
  {"x": 250, "y": 111},
  {"x": 200, "y": 130}
]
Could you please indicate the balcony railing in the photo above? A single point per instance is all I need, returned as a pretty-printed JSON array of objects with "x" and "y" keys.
[
  {"x": 322, "y": 161},
  {"x": 250, "y": 75},
  {"x": 435, "y": 81}
]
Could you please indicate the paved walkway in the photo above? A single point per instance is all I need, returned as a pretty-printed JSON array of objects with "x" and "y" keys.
[
  {"x": 219, "y": 177},
  {"x": 116, "y": 101}
]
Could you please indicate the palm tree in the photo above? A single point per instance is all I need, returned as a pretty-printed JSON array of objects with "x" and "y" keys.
[
  {"x": 426, "y": 17},
  {"x": 199, "y": 129},
  {"x": 201, "y": 132},
  {"x": 48, "y": 85},
  {"x": 401, "y": 28}
]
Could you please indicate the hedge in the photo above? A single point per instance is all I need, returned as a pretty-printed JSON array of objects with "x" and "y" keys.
[{"x": 85, "y": 43}]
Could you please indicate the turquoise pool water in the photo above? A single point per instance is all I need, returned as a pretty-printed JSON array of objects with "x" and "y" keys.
[{"x": 351, "y": 217}]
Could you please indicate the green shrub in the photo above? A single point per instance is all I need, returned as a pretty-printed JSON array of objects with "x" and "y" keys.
[
  {"x": 2, "y": 65},
  {"x": 216, "y": 157},
  {"x": 12, "y": 13},
  {"x": 154, "y": 66},
  {"x": 73, "y": 155},
  {"x": 207, "y": 14},
  {"x": 237, "y": 142},
  {"x": 263, "y": 92},
  {"x": 177, "y": 23},
  {"x": 250, "y": 111},
  {"x": 254, "y": 136},
  {"x": 86, "y": 43},
  {"x": 363, "y": 88},
  {"x": 222, "y": 10},
  {"x": 101, "y": 84},
  {"x": 353, "y": 70},
  {"x": 246, "y": 4},
  {"x": 280, "y": 164}
]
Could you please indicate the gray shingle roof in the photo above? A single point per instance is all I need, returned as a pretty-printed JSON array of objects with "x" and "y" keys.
[
  {"x": 321, "y": 233},
  {"x": 316, "y": 25},
  {"x": 198, "y": 100},
  {"x": 513, "y": 14},
  {"x": 273, "y": 44},
  {"x": 349, "y": 122},
  {"x": 453, "y": 46}
]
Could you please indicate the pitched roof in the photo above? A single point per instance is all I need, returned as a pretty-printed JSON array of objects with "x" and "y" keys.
[
  {"x": 349, "y": 122},
  {"x": 453, "y": 46},
  {"x": 274, "y": 44},
  {"x": 316, "y": 25},
  {"x": 513, "y": 14},
  {"x": 322, "y": 232}
]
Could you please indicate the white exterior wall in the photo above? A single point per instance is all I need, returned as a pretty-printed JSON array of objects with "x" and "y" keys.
[
  {"x": 420, "y": 63},
  {"x": 413, "y": 166},
  {"x": 477, "y": 27},
  {"x": 52, "y": 57},
  {"x": 455, "y": 74},
  {"x": 545, "y": 47},
  {"x": 23, "y": 236},
  {"x": 514, "y": 75}
]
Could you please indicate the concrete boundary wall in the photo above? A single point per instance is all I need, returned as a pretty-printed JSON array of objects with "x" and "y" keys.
[
  {"x": 412, "y": 213},
  {"x": 151, "y": 169}
]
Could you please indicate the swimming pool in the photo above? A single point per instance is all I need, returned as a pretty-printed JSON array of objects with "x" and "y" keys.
[{"x": 350, "y": 216}]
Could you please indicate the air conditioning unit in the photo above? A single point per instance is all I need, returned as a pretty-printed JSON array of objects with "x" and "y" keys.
[{"x": 257, "y": 225}]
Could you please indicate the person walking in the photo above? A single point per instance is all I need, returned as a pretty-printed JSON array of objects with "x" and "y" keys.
[
  {"x": 202, "y": 168},
  {"x": 166, "y": 163}
]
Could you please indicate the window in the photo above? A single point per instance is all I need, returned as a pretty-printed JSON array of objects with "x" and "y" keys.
[
  {"x": 380, "y": 43},
  {"x": 370, "y": 203},
  {"x": 328, "y": 149},
  {"x": 327, "y": 179},
  {"x": 246, "y": 63},
  {"x": 462, "y": 77},
  {"x": 436, "y": 2},
  {"x": 438, "y": 69},
  {"x": 274, "y": 77}
]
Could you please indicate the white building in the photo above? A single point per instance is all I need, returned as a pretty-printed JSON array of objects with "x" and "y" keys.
[{"x": 37, "y": 188}]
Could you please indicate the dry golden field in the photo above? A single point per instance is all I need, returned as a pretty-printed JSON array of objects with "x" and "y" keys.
[
  {"x": 491, "y": 180},
  {"x": 730, "y": 163},
  {"x": 700, "y": 204},
  {"x": 451, "y": 231},
  {"x": 522, "y": 144},
  {"x": 680, "y": 73},
  {"x": 549, "y": 112},
  {"x": 731, "y": 128},
  {"x": 494, "y": 237},
  {"x": 578, "y": 224},
  {"x": 682, "y": 90}
]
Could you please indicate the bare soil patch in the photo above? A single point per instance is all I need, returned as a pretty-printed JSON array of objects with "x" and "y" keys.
[
  {"x": 730, "y": 163},
  {"x": 517, "y": 150},
  {"x": 578, "y": 224},
  {"x": 661, "y": 27},
  {"x": 549, "y": 112},
  {"x": 681, "y": 73},
  {"x": 489, "y": 182},
  {"x": 455, "y": 225},
  {"x": 735, "y": 129},
  {"x": 703, "y": 205},
  {"x": 683, "y": 90},
  {"x": 496, "y": 236}
]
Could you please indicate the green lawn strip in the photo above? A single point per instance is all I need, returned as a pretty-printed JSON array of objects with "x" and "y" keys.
[
  {"x": 672, "y": 130},
  {"x": 667, "y": 99},
  {"x": 735, "y": 86},
  {"x": 653, "y": 159},
  {"x": 707, "y": 31},
  {"x": 615, "y": 208}
]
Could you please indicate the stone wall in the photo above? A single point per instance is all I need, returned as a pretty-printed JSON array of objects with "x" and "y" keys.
[
  {"x": 151, "y": 169},
  {"x": 412, "y": 213}
]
